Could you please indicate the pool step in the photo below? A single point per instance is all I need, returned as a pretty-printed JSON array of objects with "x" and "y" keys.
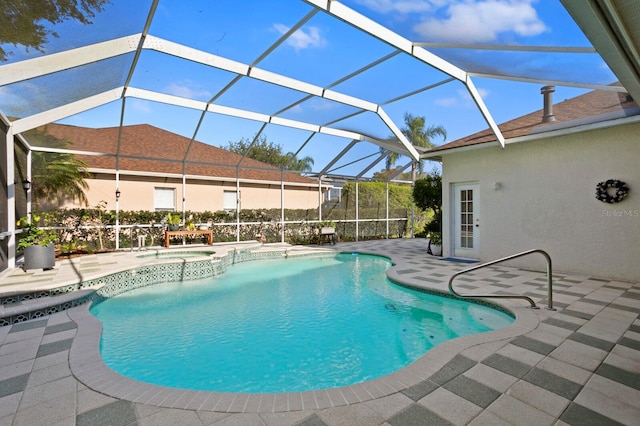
[{"x": 21, "y": 309}]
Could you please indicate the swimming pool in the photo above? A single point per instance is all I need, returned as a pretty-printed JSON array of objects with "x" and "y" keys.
[{"x": 281, "y": 326}]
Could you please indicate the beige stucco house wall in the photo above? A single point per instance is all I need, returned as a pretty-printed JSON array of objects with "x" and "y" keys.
[
  {"x": 137, "y": 193},
  {"x": 546, "y": 199}
]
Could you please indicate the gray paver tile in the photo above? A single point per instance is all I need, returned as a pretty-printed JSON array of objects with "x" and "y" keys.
[
  {"x": 171, "y": 417},
  {"x": 577, "y": 414},
  {"x": 473, "y": 391},
  {"x": 417, "y": 415},
  {"x": 119, "y": 413},
  {"x": 619, "y": 375},
  {"x": 491, "y": 377},
  {"x": 13, "y": 385},
  {"x": 9, "y": 404},
  {"x": 507, "y": 365},
  {"x": 49, "y": 391},
  {"x": 579, "y": 354},
  {"x": 542, "y": 399},
  {"x": 58, "y": 411},
  {"x": 358, "y": 414},
  {"x": 556, "y": 384},
  {"x": 450, "y": 406},
  {"x": 518, "y": 413}
]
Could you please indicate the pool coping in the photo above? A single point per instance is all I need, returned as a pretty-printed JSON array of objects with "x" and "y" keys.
[{"x": 87, "y": 366}]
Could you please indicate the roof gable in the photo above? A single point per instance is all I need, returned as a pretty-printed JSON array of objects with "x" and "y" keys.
[{"x": 593, "y": 107}]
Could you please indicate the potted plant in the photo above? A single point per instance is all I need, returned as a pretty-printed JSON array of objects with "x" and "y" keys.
[
  {"x": 173, "y": 221},
  {"x": 435, "y": 243},
  {"x": 36, "y": 243},
  {"x": 327, "y": 231}
]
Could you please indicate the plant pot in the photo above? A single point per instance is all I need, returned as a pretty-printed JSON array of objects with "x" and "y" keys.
[
  {"x": 436, "y": 249},
  {"x": 174, "y": 227},
  {"x": 39, "y": 257}
]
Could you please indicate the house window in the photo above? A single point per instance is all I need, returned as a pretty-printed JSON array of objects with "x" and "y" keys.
[
  {"x": 164, "y": 199},
  {"x": 229, "y": 200}
]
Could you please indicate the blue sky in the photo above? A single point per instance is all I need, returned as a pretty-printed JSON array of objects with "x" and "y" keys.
[{"x": 325, "y": 50}]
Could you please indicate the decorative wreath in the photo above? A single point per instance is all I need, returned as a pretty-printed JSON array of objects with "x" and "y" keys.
[{"x": 603, "y": 194}]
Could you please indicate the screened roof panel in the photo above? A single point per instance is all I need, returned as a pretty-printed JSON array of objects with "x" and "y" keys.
[
  {"x": 324, "y": 51},
  {"x": 164, "y": 73},
  {"x": 319, "y": 111},
  {"x": 314, "y": 63},
  {"x": 238, "y": 30},
  {"x": 175, "y": 119},
  {"x": 40, "y": 94},
  {"x": 394, "y": 77},
  {"x": 258, "y": 96},
  {"x": 117, "y": 19},
  {"x": 219, "y": 130},
  {"x": 586, "y": 68}
]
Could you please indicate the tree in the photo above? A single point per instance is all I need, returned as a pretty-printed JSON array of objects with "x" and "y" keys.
[
  {"x": 55, "y": 175},
  {"x": 427, "y": 194},
  {"x": 270, "y": 153},
  {"x": 22, "y": 21},
  {"x": 418, "y": 136},
  {"x": 304, "y": 164}
]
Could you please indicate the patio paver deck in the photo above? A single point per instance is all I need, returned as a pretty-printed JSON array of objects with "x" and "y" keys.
[{"x": 577, "y": 365}]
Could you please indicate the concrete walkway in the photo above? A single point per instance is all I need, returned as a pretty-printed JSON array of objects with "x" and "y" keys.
[{"x": 577, "y": 365}]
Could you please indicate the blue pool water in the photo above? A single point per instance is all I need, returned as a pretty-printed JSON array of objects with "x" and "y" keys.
[{"x": 281, "y": 326}]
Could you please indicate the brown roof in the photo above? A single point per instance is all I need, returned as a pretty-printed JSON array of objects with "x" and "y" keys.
[
  {"x": 146, "y": 148},
  {"x": 599, "y": 105}
]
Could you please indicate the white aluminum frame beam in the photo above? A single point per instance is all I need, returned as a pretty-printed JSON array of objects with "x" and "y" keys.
[
  {"x": 346, "y": 14},
  {"x": 55, "y": 62}
]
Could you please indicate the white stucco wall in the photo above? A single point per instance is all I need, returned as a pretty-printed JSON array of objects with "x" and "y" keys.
[{"x": 547, "y": 201}]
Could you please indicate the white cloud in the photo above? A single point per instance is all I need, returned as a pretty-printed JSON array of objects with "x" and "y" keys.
[
  {"x": 141, "y": 106},
  {"x": 462, "y": 99},
  {"x": 400, "y": 6},
  {"x": 302, "y": 39},
  {"x": 446, "y": 102},
  {"x": 483, "y": 21},
  {"x": 186, "y": 89}
]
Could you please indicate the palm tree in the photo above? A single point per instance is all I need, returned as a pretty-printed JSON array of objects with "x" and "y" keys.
[
  {"x": 58, "y": 175},
  {"x": 304, "y": 164},
  {"x": 418, "y": 136},
  {"x": 55, "y": 175}
]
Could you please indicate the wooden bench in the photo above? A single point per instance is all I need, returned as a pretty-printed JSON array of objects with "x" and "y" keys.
[{"x": 169, "y": 234}]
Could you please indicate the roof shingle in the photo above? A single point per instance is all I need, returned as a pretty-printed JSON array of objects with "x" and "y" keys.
[
  {"x": 599, "y": 105},
  {"x": 146, "y": 148}
]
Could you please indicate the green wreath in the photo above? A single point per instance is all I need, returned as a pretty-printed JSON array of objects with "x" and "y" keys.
[{"x": 603, "y": 194}]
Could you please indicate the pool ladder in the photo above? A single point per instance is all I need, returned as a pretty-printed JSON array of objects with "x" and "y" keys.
[{"x": 506, "y": 296}]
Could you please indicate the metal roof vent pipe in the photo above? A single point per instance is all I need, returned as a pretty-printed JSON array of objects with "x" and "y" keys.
[{"x": 547, "y": 92}]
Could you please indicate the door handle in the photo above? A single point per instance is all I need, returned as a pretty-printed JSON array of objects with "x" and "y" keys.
[{"x": 477, "y": 226}]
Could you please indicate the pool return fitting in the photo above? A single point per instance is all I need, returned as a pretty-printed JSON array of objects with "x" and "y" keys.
[{"x": 506, "y": 296}]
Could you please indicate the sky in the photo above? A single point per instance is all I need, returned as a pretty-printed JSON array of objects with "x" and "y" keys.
[{"x": 321, "y": 52}]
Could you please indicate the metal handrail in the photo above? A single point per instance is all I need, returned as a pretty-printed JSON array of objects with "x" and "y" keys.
[{"x": 504, "y": 296}]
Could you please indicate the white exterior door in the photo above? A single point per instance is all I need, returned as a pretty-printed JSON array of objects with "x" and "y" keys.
[{"x": 466, "y": 220}]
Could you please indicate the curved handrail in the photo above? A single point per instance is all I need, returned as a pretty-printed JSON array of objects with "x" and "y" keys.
[{"x": 504, "y": 296}]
